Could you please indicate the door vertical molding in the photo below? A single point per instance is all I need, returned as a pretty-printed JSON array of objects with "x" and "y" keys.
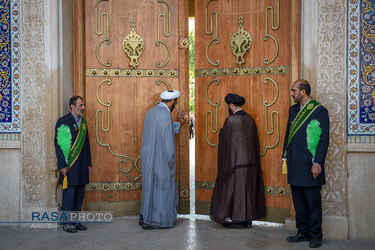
[{"x": 79, "y": 49}]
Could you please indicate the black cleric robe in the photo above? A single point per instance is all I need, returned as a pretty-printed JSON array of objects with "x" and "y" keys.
[{"x": 239, "y": 192}]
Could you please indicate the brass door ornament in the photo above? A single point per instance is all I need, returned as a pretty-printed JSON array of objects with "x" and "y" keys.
[
  {"x": 103, "y": 16},
  {"x": 133, "y": 45},
  {"x": 165, "y": 33},
  {"x": 273, "y": 113},
  {"x": 209, "y": 112},
  {"x": 240, "y": 43},
  {"x": 124, "y": 158},
  {"x": 267, "y": 35},
  {"x": 216, "y": 39},
  {"x": 184, "y": 43}
]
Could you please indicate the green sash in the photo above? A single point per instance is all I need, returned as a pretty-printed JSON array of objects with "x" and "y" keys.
[
  {"x": 76, "y": 149},
  {"x": 300, "y": 119}
]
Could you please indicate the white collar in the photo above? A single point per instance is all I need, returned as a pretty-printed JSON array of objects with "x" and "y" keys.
[{"x": 237, "y": 110}]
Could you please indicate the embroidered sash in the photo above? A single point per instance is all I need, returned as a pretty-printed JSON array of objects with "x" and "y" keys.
[
  {"x": 76, "y": 149},
  {"x": 300, "y": 119}
]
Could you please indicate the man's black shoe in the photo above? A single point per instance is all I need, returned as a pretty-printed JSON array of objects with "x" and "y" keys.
[
  {"x": 234, "y": 225},
  {"x": 298, "y": 238},
  {"x": 69, "y": 229},
  {"x": 140, "y": 222},
  {"x": 79, "y": 226},
  {"x": 315, "y": 242},
  {"x": 248, "y": 224}
]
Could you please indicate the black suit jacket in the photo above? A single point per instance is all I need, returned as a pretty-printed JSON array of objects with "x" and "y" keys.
[
  {"x": 299, "y": 158},
  {"x": 78, "y": 174}
]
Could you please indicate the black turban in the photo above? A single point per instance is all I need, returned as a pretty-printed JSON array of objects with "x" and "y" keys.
[{"x": 235, "y": 99}]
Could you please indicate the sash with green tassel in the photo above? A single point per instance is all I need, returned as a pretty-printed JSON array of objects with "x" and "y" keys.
[
  {"x": 300, "y": 119},
  {"x": 71, "y": 153}
]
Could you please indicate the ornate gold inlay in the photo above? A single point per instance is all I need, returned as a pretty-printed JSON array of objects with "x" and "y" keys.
[
  {"x": 184, "y": 43},
  {"x": 114, "y": 186},
  {"x": 266, "y": 36},
  {"x": 281, "y": 191},
  {"x": 165, "y": 73},
  {"x": 265, "y": 70},
  {"x": 216, "y": 105},
  {"x": 133, "y": 45},
  {"x": 124, "y": 158},
  {"x": 165, "y": 33},
  {"x": 216, "y": 39},
  {"x": 185, "y": 193},
  {"x": 268, "y": 190},
  {"x": 240, "y": 43},
  {"x": 101, "y": 31},
  {"x": 273, "y": 113}
]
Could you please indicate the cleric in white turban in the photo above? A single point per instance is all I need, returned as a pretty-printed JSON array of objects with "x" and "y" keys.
[
  {"x": 158, "y": 163},
  {"x": 170, "y": 94}
]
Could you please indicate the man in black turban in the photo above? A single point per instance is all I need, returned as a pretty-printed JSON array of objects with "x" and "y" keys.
[{"x": 238, "y": 196}]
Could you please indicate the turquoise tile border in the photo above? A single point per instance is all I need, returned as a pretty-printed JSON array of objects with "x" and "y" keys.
[{"x": 10, "y": 99}]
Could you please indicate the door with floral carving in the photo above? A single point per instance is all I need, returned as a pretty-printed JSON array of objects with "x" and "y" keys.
[
  {"x": 128, "y": 52},
  {"x": 250, "y": 48}
]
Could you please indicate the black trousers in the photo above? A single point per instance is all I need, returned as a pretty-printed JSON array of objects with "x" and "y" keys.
[
  {"x": 73, "y": 198},
  {"x": 308, "y": 205}
]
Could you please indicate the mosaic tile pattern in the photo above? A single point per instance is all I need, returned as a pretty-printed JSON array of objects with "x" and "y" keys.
[
  {"x": 9, "y": 67},
  {"x": 361, "y": 68}
]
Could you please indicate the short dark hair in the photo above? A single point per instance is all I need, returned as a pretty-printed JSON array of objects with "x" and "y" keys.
[
  {"x": 73, "y": 100},
  {"x": 304, "y": 84}
]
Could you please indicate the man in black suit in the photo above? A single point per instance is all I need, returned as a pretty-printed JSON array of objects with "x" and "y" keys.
[
  {"x": 305, "y": 149},
  {"x": 73, "y": 158}
]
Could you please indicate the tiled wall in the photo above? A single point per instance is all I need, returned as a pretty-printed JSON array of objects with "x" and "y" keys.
[
  {"x": 361, "y": 71},
  {"x": 10, "y": 99}
]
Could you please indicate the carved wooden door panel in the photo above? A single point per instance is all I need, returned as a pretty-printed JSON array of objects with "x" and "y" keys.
[
  {"x": 128, "y": 52},
  {"x": 249, "y": 48}
]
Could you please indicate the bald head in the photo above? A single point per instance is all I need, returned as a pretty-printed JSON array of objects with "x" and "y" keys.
[
  {"x": 304, "y": 85},
  {"x": 301, "y": 91}
]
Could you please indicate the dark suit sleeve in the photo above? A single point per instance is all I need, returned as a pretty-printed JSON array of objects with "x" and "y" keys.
[
  {"x": 61, "y": 163},
  {"x": 322, "y": 148}
]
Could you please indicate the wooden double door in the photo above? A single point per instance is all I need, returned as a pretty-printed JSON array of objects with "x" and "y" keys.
[{"x": 127, "y": 52}]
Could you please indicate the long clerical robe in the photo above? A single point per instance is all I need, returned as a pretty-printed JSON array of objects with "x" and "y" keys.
[
  {"x": 158, "y": 167},
  {"x": 239, "y": 193}
]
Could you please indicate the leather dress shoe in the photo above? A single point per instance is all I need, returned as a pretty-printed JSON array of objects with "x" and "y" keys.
[
  {"x": 315, "y": 242},
  {"x": 298, "y": 238},
  {"x": 69, "y": 228},
  {"x": 248, "y": 224},
  {"x": 81, "y": 227},
  {"x": 234, "y": 225},
  {"x": 140, "y": 222}
]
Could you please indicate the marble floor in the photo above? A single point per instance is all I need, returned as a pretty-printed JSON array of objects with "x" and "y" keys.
[{"x": 189, "y": 232}]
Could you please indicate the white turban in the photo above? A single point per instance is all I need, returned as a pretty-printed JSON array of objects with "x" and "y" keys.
[{"x": 170, "y": 94}]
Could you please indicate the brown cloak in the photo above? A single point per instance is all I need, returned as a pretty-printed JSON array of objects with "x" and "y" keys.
[{"x": 239, "y": 190}]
